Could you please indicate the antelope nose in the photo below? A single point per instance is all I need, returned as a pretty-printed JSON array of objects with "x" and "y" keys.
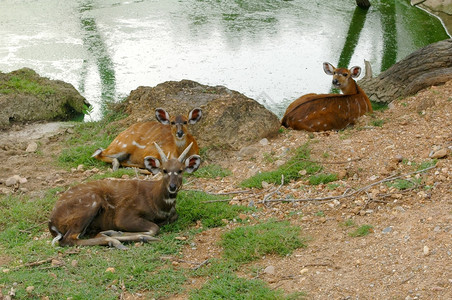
[
  {"x": 335, "y": 82},
  {"x": 172, "y": 187},
  {"x": 180, "y": 133}
]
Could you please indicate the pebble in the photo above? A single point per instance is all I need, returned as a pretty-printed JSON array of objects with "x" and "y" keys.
[
  {"x": 439, "y": 153},
  {"x": 387, "y": 230},
  {"x": 264, "y": 142},
  {"x": 426, "y": 250},
  {"x": 30, "y": 289},
  {"x": 269, "y": 270},
  {"x": 110, "y": 270},
  {"x": 10, "y": 181},
  {"x": 32, "y": 147}
]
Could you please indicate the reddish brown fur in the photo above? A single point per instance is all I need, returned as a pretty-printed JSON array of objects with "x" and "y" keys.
[
  {"x": 110, "y": 211},
  {"x": 132, "y": 145},
  {"x": 319, "y": 112}
]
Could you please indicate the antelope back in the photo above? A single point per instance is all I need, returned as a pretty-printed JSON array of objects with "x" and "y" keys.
[{"x": 319, "y": 112}]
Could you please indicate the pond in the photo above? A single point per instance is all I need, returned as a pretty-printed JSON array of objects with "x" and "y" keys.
[{"x": 271, "y": 51}]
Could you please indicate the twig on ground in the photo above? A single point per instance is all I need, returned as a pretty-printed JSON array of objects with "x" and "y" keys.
[
  {"x": 30, "y": 228},
  {"x": 275, "y": 191},
  {"x": 48, "y": 260}
]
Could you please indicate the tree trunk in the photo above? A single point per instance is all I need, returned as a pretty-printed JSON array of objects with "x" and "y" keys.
[
  {"x": 431, "y": 65},
  {"x": 363, "y": 3}
]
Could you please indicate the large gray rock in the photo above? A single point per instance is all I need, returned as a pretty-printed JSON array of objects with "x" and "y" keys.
[
  {"x": 25, "y": 96},
  {"x": 230, "y": 120}
]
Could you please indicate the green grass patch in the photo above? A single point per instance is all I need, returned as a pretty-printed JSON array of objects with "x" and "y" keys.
[
  {"x": 291, "y": 170},
  {"x": 322, "y": 178},
  {"x": 229, "y": 286},
  {"x": 379, "y": 106},
  {"x": 212, "y": 171},
  {"x": 191, "y": 207},
  {"x": 404, "y": 184},
  {"x": 247, "y": 243},
  {"x": 361, "y": 231},
  {"x": 24, "y": 239},
  {"x": 22, "y": 84}
]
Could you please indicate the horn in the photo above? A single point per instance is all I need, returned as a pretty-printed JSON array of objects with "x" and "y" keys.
[
  {"x": 160, "y": 151},
  {"x": 182, "y": 156}
]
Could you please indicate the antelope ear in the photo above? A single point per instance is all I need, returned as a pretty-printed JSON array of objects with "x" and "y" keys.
[
  {"x": 194, "y": 116},
  {"x": 152, "y": 164},
  {"x": 162, "y": 116},
  {"x": 192, "y": 163},
  {"x": 355, "y": 71},
  {"x": 328, "y": 68}
]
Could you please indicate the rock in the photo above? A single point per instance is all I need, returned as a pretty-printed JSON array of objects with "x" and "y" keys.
[
  {"x": 426, "y": 250},
  {"x": 269, "y": 270},
  {"x": 30, "y": 289},
  {"x": 110, "y": 270},
  {"x": 10, "y": 181},
  {"x": 59, "y": 101},
  {"x": 32, "y": 147},
  {"x": 439, "y": 153},
  {"x": 230, "y": 119},
  {"x": 387, "y": 230},
  {"x": 248, "y": 151},
  {"x": 264, "y": 142}
]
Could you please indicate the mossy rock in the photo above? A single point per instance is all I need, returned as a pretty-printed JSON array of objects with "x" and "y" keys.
[{"x": 27, "y": 97}]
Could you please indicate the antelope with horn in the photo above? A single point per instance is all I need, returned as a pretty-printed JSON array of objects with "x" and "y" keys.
[
  {"x": 132, "y": 145},
  {"x": 320, "y": 112},
  {"x": 108, "y": 212}
]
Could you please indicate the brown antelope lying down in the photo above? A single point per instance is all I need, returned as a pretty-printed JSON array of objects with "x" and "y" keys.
[
  {"x": 109, "y": 212},
  {"x": 132, "y": 145},
  {"x": 319, "y": 112}
]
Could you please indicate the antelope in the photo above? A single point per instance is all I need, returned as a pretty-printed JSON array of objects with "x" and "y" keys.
[
  {"x": 109, "y": 212},
  {"x": 320, "y": 112},
  {"x": 132, "y": 145}
]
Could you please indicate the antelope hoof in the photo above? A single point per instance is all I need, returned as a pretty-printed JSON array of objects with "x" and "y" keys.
[
  {"x": 115, "y": 164},
  {"x": 148, "y": 238},
  {"x": 112, "y": 242}
]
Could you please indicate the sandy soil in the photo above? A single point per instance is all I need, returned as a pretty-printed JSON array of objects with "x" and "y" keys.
[{"x": 408, "y": 254}]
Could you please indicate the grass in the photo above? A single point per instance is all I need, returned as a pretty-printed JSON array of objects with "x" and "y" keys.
[
  {"x": 361, "y": 231},
  {"x": 291, "y": 170},
  {"x": 322, "y": 178},
  {"x": 22, "y": 84},
  {"x": 24, "y": 239},
  {"x": 212, "y": 171},
  {"x": 379, "y": 106},
  {"x": 247, "y": 243}
]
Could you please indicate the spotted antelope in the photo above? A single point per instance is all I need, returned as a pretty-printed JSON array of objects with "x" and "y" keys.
[
  {"x": 132, "y": 145},
  {"x": 320, "y": 112}
]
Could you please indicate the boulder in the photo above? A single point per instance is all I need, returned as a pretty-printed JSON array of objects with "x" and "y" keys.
[
  {"x": 230, "y": 120},
  {"x": 27, "y": 97}
]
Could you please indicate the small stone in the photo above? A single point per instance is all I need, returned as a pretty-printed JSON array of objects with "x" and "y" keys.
[
  {"x": 32, "y": 147},
  {"x": 243, "y": 217},
  {"x": 387, "y": 230},
  {"x": 264, "y": 142},
  {"x": 426, "y": 250},
  {"x": 5, "y": 270},
  {"x": 302, "y": 172},
  {"x": 110, "y": 270},
  {"x": 269, "y": 270},
  {"x": 80, "y": 167},
  {"x": 74, "y": 263},
  {"x": 10, "y": 181},
  {"x": 23, "y": 180},
  {"x": 304, "y": 270},
  {"x": 30, "y": 289},
  {"x": 439, "y": 154},
  {"x": 265, "y": 184},
  {"x": 398, "y": 158}
]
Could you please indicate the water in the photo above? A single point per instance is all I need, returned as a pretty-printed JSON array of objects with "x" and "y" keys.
[{"x": 271, "y": 51}]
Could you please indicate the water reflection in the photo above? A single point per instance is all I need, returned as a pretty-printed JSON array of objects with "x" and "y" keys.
[{"x": 270, "y": 50}]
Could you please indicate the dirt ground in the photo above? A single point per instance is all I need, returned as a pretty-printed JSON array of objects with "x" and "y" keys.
[{"x": 407, "y": 255}]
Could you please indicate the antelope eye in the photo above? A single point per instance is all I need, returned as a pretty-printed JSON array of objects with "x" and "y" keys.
[
  {"x": 180, "y": 171},
  {"x": 173, "y": 123},
  {"x": 185, "y": 123},
  {"x": 344, "y": 74},
  {"x": 165, "y": 171}
]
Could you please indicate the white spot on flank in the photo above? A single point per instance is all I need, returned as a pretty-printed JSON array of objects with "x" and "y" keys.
[
  {"x": 125, "y": 145},
  {"x": 94, "y": 204},
  {"x": 324, "y": 125},
  {"x": 138, "y": 145},
  {"x": 324, "y": 108},
  {"x": 318, "y": 123},
  {"x": 93, "y": 196},
  {"x": 339, "y": 106}
]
